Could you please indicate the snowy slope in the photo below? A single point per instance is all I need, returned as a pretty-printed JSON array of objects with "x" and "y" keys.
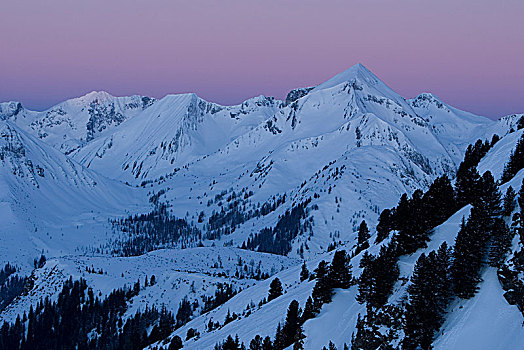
[
  {"x": 50, "y": 203},
  {"x": 175, "y": 130},
  {"x": 191, "y": 273},
  {"x": 485, "y": 322}
]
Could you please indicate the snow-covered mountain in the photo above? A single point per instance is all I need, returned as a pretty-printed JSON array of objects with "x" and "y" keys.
[
  {"x": 201, "y": 194},
  {"x": 351, "y": 138},
  {"x": 71, "y": 124},
  {"x": 49, "y": 202}
]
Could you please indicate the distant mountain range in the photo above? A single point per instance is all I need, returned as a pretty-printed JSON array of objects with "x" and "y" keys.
[{"x": 294, "y": 178}]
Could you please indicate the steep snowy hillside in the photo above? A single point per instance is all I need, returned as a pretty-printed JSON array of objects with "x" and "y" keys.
[
  {"x": 174, "y": 131},
  {"x": 71, "y": 124},
  {"x": 51, "y": 204}
]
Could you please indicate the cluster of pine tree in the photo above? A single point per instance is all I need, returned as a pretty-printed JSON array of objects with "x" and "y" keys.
[
  {"x": 223, "y": 293},
  {"x": 515, "y": 163},
  {"x": 369, "y": 331},
  {"x": 428, "y": 296},
  {"x": 277, "y": 240},
  {"x": 236, "y": 212},
  {"x": 467, "y": 175},
  {"x": 11, "y": 285},
  {"x": 328, "y": 277},
  {"x": 79, "y": 320},
  {"x": 379, "y": 274},
  {"x": 154, "y": 230},
  {"x": 511, "y": 272},
  {"x": 362, "y": 237},
  {"x": 484, "y": 234},
  {"x": 443, "y": 274},
  {"x": 414, "y": 217},
  {"x": 375, "y": 285}
]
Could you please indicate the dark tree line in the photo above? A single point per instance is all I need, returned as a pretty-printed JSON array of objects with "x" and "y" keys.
[
  {"x": 11, "y": 285},
  {"x": 79, "y": 320},
  {"x": 236, "y": 212},
  {"x": 379, "y": 274},
  {"x": 414, "y": 217},
  {"x": 223, "y": 293},
  {"x": 483, "y": 231},
  {"x": 428, "y": 296},
  {"x": 515, "y": 163},
  {"x": 277, "y": 240},
  {"x": 154, "y": 230}
]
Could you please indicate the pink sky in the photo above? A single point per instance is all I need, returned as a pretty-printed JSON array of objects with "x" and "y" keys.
[{"x": 470, "y": 53}]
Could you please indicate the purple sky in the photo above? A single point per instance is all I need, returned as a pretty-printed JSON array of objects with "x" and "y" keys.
[{"x": 470, "y": 53}]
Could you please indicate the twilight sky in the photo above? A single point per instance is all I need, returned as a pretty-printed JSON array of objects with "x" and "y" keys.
[{"x": 470, "y": 53}]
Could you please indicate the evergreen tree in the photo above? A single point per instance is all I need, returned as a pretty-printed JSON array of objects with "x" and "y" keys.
[
  {"x": 279, "y": 343},
  {"x": 443, "y": 279},
  {"x": 467, "y": 184},
  {"x": 428, "y": 298},
  {"x": 339, "y": 274},
  {"x": 362, "y": 237},
  {"x": 378, "y": 276},
  {"x": 520, "y": 199},
  {"x": 267, "y": 344},
  {"x": 275, "y": 289},
  {"x": 366, "y": 337},
  {"x": 184, "y": 312},
  {"x": 515, "y": 163},
  {"x": 489, "y": 198},
  {"x": 494, "y": 140},
  {"x": 232, "y": 344},
  {"x": 412, "y": 224},
  {"x": 509, "y": 201},
  {"x": 331, "y": 346},
  {"x": 468, "y": 254},
  {"x": 367, "y": 280},
  {"x": 175, "y": 344},
  {"x": 322, "y": 291},
  {"x": 299, "y": 339},
  {"x": 439, "y": 201},
  {"x": 384, "y": 225},
  {"x": 501, "y": 238},
  {"x": 292, "y": 323},
  {"x": 304, "y": 273},
  {"x": 256, "y": 343},
  {"x": 309, "y": 310}
]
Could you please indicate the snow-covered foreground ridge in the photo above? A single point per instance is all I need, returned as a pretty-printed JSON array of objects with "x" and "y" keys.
[{"x": 115, "y": 190}]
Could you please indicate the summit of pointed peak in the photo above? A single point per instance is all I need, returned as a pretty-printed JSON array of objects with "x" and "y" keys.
[{"x": 355, "y": 72}]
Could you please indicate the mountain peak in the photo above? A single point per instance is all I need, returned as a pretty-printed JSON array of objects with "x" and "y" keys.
[
  {"x": 96, "y": 95},
  {"x": 358, "y": 71}
]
